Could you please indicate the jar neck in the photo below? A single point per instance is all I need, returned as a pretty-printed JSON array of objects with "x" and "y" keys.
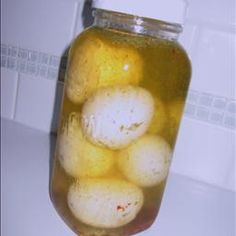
[{"x": 135, "y": 24}]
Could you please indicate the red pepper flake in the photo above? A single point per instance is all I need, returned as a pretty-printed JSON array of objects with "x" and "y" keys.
[{"x": 120, "y": 208}]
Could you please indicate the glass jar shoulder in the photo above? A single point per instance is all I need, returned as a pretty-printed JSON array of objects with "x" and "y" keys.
[
  {"x": 111, "y": 37},
  {"x": 185, "y": 56},
  {"x": 86, "y": 35},
  {"x": 167, "y": 68},
  {"x": 169, "y": 54},
  {"x": 152, "y": 60}
]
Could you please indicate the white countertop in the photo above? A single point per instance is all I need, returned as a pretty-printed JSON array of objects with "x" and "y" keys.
[{"x": 189, "y": 207}]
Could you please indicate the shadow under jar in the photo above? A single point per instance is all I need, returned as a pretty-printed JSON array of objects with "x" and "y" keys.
[{"x": 126, "y": 84}]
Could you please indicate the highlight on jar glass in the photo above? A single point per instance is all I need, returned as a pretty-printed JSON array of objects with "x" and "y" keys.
[{"x": 126, "y": 84}]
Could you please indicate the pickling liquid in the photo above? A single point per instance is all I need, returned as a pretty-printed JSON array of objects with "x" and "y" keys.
[{"x": 158, "y": 66}]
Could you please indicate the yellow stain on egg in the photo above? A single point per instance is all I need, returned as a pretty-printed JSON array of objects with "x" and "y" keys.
[{"x": 95, "y": 63}]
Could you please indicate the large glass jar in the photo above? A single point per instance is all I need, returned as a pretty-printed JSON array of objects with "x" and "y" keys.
[{"x": 126, "y": 84}]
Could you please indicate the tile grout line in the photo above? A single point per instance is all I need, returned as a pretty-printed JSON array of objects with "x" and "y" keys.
[
  {"x": 78, "y": 6},
  {"x": 26, "y": 61},
  {"x": 16, "y": 96},
  {"x": 195, "y": 43}
]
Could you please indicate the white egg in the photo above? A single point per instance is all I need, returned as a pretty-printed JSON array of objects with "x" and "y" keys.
[
  {"x": 116, "y": 116},
  {"x": 106, "y": 203},
  {"x": 146, "y": 161},
  {"x": 77, "y": 155}
]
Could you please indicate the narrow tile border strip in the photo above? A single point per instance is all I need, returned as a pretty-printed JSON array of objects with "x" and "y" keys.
[
  {"x": 210, "y": 108},
  {"x": 206, "y": 107},
  {"x": 31, "y": 62}
]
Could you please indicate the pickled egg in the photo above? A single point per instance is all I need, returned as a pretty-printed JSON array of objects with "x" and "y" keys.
[
  {"x": 78, "y": 156},
  {"x": 146, "y": 161},
  {"x": 106, "y": 203},
  {"x": 116, "y": 116},
  {"x": 159, "y": 118},
  {"x": 175, "y": 110},
  {"x": 96, "y": 63}
]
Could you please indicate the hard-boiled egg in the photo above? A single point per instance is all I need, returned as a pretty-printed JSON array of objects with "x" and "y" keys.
[
  {"x": 106, "y": 203},
  {"x": 116, "y": 116},
  {"x": 146, "y": 161},
  {"x": 77, "y": 155},
  {"x": 95, "y": 63},
  {"x": 159, "y": 119},
  {"x": 175, "y": 110}
]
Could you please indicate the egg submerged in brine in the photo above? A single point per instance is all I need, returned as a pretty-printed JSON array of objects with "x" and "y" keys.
[
  {"x": 146, "y": 161},
  {"x": 115, "y": 116},
  {"x": 105, "y": 203},
  {"x": 78, "y": 156},
  {"x": 97, "y": 63}
]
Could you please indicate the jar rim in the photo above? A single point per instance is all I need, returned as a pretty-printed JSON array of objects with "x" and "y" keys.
[{"x": 136, "y": 24}]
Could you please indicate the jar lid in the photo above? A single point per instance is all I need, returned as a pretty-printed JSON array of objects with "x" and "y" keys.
[{"x": 172, "y": 11}]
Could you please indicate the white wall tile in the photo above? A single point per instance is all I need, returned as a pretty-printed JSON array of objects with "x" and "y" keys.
[
  {"x": 8, "y": 92},
  {"x": 204, "y": 152},
  {"x": 35, "y": 102},
  {"x": 46, "y": 26},
  {"x": 217, "y": 12},
  {"x": 213, "y": 67}
]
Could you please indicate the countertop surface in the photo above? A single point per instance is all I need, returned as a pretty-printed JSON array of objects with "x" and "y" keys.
[{"x": 189, "y": 207}]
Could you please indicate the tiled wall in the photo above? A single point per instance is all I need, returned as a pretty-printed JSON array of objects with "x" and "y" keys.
[
  {"x": 206, "y": 146},
  {"x": 35, "y": 40}
]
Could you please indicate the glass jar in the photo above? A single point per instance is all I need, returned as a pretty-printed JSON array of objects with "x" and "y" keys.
[{"x": 126, "y": 84}]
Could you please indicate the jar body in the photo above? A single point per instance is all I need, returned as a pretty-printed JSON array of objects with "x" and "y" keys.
[{"x": 123, "y": 101}]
